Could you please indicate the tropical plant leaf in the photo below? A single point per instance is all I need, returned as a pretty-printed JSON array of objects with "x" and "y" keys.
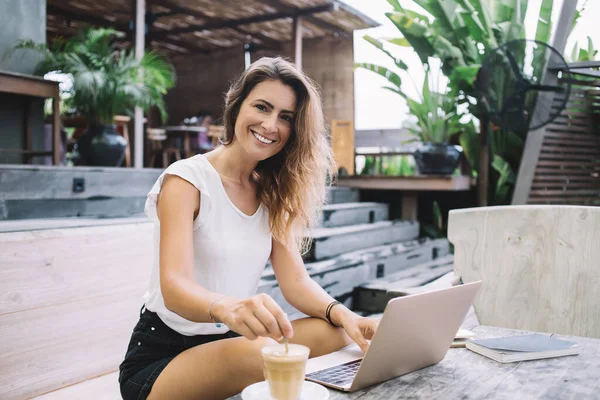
[
  {"x": 544, "y": 26},
  {"x": 437, "y": 216},
  {"x": 402, "y": 42},
  {"x": 399, "y": 63},
  {"x": 396, "y": 5},
  {"x": 416, "y": 34},
  {"x": 388, "y": 74},
  {"x": 506, "y": 179}
]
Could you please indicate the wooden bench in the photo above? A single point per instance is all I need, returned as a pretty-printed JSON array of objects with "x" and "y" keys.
[{"x": 69, "y": 299}]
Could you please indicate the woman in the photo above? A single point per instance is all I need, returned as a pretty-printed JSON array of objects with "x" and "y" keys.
[{"x": 220, "y": 217}]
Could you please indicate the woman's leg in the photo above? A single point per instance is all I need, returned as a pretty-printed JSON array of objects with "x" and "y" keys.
[{"x": 221, "y": 369}]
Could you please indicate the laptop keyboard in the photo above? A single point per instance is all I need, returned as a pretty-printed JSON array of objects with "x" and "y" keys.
[{"x": 337, "y": 375}]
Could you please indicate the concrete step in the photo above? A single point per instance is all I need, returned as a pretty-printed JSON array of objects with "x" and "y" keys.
[
  {"x": 330, "y": 242},
  {"x": 344, "y": 214},
  {"x": 35, "y": 191},
  {"x": 340, "y": 275},
  {"x": 336, "y": 195},
  {"x": 373, "y": 296}
]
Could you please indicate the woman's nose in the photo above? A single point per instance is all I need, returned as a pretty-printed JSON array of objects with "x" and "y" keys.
[{"x": 270, "y": 124}]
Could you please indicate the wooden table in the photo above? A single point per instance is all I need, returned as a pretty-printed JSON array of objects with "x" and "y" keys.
[
  {"x": 410, "y": 186},
  {"x": 33, "y": 86},
  {"x": 186, "y": 130},
  {"x": 463, "y": 374}
]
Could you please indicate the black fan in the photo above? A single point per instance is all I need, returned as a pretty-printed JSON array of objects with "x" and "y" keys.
[{"x": 509, "y": 85}]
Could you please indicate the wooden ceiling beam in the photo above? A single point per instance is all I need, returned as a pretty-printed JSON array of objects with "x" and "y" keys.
[
  {"x": 267, "y": 41},
  {"x": 81, "y": 17},
  {"x": 278, "y": 5},
  {"x": 176, "y": 8},
  {"x": 249, "y": 20}
]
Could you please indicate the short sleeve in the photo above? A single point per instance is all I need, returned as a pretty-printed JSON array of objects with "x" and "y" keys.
[{"x": 191, "y": 170}]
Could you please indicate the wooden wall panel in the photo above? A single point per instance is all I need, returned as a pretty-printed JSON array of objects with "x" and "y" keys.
[{"x": 203, "y": 80}]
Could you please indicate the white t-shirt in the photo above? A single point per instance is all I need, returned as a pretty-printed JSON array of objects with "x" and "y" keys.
[{"x": 231, "y": 248}]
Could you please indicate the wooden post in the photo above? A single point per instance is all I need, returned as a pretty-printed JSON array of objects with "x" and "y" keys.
[
  {"x": 410, "y": 206},
  {"x": 297, "y": 37},
  {"x": 26, "y": 157},
  {"x": 138, "y": 131},
  {"x": 484, "y": 163},
  {"x": 56, "y": 128}
]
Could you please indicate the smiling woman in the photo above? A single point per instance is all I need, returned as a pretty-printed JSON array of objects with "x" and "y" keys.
[{"x": 218, "y": 218}]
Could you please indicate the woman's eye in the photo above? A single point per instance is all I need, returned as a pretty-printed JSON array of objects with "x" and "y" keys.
[
  {"x": 261, "y": 107},
  {"x": 287, "y": 118}
]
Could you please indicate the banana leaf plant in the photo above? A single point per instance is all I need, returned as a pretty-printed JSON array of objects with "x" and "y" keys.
[{"x": 459, "y": 32}]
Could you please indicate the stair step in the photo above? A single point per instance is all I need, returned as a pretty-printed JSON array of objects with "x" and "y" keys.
[
  {"x": 340, "y": 275},
  {"x": 373, "y": 296},
  {"x": 330, "y": 242},
  {"x": 344, "y": 214},
  {"x": 336, "y": 195}
]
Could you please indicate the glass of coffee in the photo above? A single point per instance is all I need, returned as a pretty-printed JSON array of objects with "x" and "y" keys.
[{"x": 285, "y": 371}]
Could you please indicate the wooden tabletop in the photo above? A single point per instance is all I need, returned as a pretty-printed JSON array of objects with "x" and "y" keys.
[
  {"x": 409, "y": 183},
  {"x": 463, "y": 374}
]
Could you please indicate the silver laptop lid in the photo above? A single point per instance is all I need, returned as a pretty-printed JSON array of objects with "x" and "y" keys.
[{"x": 415, "y": 331}]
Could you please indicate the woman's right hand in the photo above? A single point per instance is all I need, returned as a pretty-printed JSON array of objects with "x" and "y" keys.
[{"x": 256, "y": 316}]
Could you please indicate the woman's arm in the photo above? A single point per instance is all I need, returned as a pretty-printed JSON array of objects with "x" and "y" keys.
[
  {"x": 302, "y": 292},
  {"x": 178, "y": 206}
]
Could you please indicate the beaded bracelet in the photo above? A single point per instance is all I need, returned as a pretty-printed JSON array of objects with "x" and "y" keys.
[
  {"x": 328, "y": 312},
  {"x": 210, "y": 309}
]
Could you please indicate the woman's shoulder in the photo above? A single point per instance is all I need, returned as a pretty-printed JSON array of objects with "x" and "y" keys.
[{"x": 196, "y": 170}]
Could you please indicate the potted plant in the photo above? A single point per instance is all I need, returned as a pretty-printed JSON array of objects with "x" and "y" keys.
[
  {"x": 437, "y": 121},
  {"x": 106, "y": 81}
]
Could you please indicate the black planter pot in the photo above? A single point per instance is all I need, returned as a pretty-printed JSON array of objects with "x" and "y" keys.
[
  {"x": 437, "y": 158},
  {"x": 101, "y": 145}
]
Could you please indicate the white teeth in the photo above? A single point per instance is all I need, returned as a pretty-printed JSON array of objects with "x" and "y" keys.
[{"x": 262, "y": 138}]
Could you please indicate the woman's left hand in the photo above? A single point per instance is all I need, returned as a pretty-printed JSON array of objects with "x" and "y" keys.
[{"x": 360, "y": 329}]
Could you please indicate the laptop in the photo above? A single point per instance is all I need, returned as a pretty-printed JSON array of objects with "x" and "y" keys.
[{"x": 415, "y": 332}]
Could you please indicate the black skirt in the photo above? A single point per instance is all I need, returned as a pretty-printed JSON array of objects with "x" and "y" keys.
[{"x": 151, "y": 347}]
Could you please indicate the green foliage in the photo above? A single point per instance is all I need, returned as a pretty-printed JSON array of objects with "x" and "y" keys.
[
  {"x": 587, "y": 54},
  {"x": 437, "y": 229},
  {"x": 106, "y": 81},
  {"x": 437, "y": 118},
  {"x": 460, "y": 33}
]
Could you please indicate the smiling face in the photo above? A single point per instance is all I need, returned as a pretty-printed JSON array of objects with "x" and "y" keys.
[{"x": 265, "y": 121}]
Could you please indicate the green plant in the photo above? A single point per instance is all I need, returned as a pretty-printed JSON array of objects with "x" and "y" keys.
[
  {"x": 106, "y": 81},
  {"x": 436, "y": 115},
  {"x": 581, "y": 54},
  {"x": 459, "y": 33},
  {"x": 435, "y": 111}
]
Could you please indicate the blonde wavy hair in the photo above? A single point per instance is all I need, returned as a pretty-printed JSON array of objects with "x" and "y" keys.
[{"x": 292, "y": 183}]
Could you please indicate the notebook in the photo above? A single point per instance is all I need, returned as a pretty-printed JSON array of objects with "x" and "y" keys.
[
  {"x": 522, "y": 348},
  {"x": 461, "y": 338}
]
